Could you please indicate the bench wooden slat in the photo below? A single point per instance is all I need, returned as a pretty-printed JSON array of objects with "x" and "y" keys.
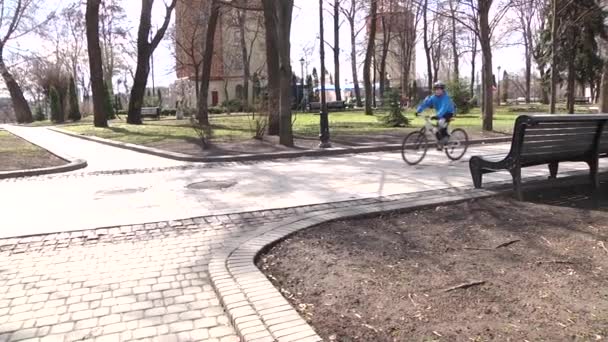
[
  {"x": 556, "y": 149},
  {"x": 559, "y": 137}
]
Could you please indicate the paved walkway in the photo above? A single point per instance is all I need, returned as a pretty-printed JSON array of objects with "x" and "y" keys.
[
  {"x": 161, "y": 190},
  {"x": 150, "y": 282},
  {"x": 98, "y": 156}
]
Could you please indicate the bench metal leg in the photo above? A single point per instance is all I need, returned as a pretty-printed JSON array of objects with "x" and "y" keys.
[
  {"x": 516, "y": 174},
  {"x": 593, "y": 172},
  {"x": 553, "y": 167},
  {"x": 477, "y": 176}
]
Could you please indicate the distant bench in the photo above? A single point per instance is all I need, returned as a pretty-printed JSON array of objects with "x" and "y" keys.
[
  {"x": 153, "y": 112},
  {"x": 548, "y": 139},
  {"x": 333, "y": 105}
]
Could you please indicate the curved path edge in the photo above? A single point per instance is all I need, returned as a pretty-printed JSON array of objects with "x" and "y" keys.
[
  {"x": 260, "y": 156},
  {"x": 258, "y": 310},
  {"x": 73, "y": 164}
]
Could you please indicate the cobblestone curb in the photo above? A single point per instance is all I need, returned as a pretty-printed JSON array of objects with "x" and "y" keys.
[
  {"x": 258, "y": 311},
  {"x": 260, "y": 156},
  {"x": 72, "y": 165}
]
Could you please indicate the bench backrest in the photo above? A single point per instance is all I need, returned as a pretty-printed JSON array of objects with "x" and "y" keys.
[
  {"x": 559, "y": 137},
  {"x": 149, "y": 110}
]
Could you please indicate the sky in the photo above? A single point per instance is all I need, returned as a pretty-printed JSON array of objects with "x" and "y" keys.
[{"x": 305, "y": 29}]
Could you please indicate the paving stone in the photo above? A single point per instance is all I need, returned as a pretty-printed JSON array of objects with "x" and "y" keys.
[
  {"x": 23, "y": 334},
  {"x": 62, "y": 328},
  {"x": 181, "y": 326},
  {"x": 144, "y": 332},
  {"x": 221, "y": 331}
]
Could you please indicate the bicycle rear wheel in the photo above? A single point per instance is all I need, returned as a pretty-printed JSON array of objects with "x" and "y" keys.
[
  {"x": 458, "y": 144},
  {"x": 414, "y": 148}
]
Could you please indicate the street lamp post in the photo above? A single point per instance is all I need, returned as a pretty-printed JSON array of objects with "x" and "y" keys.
[
  {"x": 498, "y": 87},
  {"x": 304, "y": 92},
  {"x": 324, "y": 122}
]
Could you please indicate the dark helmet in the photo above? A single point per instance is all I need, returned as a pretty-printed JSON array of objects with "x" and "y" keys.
[{"x": 439, "y": 85}]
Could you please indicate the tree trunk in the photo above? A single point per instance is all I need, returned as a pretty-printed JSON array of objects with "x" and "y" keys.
[
  {"x": 528, "y": 52},
  {"x": 272, "y": 63},
  {"x": 95, "y": 63},
  {"x": 374, "y": 75},
  {"x": 427, "y": 46},
  {"x": 203, "y": 98},
  {"x": 604, "y": 90},
  {"x": 145, "y": 50},
  {"x": 473, "y": 58},
  {"x": 138, "y": 90},
  {"x": 242, "y": 18},
  {"x": 486, "y": 51},
  {"x": 367, "y": 65},
  {"x": 554, "y": 68},
  {"x": 455, "y": 44},
  {"x": 22, "y": 110},
  {"x": 544, "y": 89},
  {"x": 353, "y": 57},
  {"x": 284, "y": 13},
  {"x": 337, "y": 50},
  {"x": 386, "y": 40},
  {"x": 571, "y": 83},
  {"x": 197, "y": 82}
]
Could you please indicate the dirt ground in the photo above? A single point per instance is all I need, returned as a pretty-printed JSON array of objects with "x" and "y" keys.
[
  {"x": 18, "y": 154},
  {"x": 485, "y": 270}
]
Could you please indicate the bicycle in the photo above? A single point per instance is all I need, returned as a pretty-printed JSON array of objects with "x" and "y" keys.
[{"x": 416, "y": 144}]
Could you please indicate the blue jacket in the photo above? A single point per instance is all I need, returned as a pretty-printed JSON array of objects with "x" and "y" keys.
[{"x": 443, "y": 105}]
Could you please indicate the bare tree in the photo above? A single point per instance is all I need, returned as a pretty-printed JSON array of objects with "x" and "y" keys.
[
  {"x": 273, "y": 65},
  {"x": 112, "y": 17},
  {"x": 453, "y": 5},
  {"x": 145, "y": 48},
  {"x": 554, "y": 57},
  {"x": 246, "y": 42},
  {"x": 336, "y": 48},
  {"x": 284, "y": 10},
  {"x": 439, "y": 40},
  {"x": 17, "y": 19},
  {"x": 388, "y": 20},
  {"x": 427, "y": 43},
  {"x": 406, "y": 39},
  {"x": 475, "y": 16},
  {"x": 203, "y": 98},
  {"x": 350, "y": 13},
  {"x": 95, "y": 63},
  {"x": 189, "y": 47},
  {"x": 369, "y": 55},
  {"x": 474, "y": 50},
  {"x": 526, "y": 12}
]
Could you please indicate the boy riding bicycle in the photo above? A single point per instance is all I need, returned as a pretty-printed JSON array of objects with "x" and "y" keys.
[{"x": 444, "y": 108}]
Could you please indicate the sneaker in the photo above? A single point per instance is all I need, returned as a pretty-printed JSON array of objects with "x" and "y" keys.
[{"x": 439, "y": 146}]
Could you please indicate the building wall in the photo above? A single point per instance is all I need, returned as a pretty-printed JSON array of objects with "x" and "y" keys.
[{"x": 227, "y": 68}]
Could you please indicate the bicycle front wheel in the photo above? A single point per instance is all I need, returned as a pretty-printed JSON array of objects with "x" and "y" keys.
[
  {"x": 457, "y": 145},
  {"x": 414, "y": 148}
]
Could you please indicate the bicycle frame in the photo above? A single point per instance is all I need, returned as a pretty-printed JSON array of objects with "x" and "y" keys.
[{"x": 429, "y": 127}]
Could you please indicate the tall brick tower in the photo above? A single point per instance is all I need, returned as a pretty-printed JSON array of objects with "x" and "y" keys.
[{"x": 227, "y": 69}]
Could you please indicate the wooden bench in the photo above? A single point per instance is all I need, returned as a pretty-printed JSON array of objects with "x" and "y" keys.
[
  {"x": 548, "y": 139},
  {"x": 153, "y": 112},
  {"x": 333, "y": 105}
]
